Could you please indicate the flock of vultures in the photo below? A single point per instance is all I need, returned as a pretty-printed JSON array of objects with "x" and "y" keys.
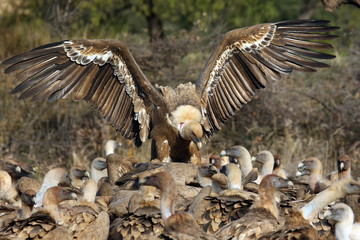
[{"x": 180, "y": 193}]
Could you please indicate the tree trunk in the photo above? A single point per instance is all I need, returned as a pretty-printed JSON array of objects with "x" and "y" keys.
[{"x": 155, "y": 26}]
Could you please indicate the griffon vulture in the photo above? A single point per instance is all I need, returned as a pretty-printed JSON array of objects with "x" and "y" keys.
[{"x": 105, "y": 74}]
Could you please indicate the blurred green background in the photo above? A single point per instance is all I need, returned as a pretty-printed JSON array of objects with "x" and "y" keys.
[{"x": 302, "y": 115}]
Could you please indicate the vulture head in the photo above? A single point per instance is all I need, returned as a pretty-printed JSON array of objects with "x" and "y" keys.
[
  {"x": 80, "y": 173},
  {"x": 343, "y": 163},
  {"x": 192, "y": 131},
  {"x": 309, "y": 166},
  {"x": 339, "y": 212},
  {"x": 215, "y": 160},
  {"x": 240, "y": 156},
  {"x": 99, "y": 164},
  {"x": 29, "y": 197},
  {"x": 56, "y": 195},
  {"x": 273, "y": 181},
  {"x": 236, "y": 154},
  {"x": 207, "y": 170},
  {"x": 277, "y": 161},
  {"x": 160, "y": 180}
]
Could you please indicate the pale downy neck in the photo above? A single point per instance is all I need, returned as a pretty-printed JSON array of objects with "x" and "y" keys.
[
  {"x": 245, "y": 163},
  {"x": 343, "y": 229},
  {"x": 234, "y": 177},
  {"x": 7, "y": 190},
  {"x": 89, "y": 190},
  {"x": 204, "y": 181},
  {"x": 315, "y": 177},
  {"x": 322, "y": 199},
  {"x": 267, "y": 166},
  {"x": 216, "y": 186},
  {"x": 167, "y": 203},
  {"x": 110, "y": 147},
  {"x": 97, "y": 174}
]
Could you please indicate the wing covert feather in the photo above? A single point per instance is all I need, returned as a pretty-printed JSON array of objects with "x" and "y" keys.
[
  {"x": 101, "y": 72},
  {"x": 250, "y": 58}
]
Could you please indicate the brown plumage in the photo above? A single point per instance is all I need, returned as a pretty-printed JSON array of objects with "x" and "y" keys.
[
  {"x": 28, "y": 200},
  {"x": 138, "y": 212},
  {"x": 43, "y": 222},
  {"x": 144, "y": 223},
  {"x": 87, "y": 219},
  {"x": 218, "y": 210},
  {"x": 298, "y": 224},
  {"x": 118, "y": 166},
  {"x": 105, "y": 74},
  {"x": 26, "y": 183},
  {"x": 179, "y": 225},
  {"x": 263, "y": 215},
  {"x": 9, "y": 213}
]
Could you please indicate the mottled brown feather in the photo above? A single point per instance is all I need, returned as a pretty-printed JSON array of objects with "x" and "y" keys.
[
  {"x": 249, "y": 58},
  {"x": 97, "y": 71}
]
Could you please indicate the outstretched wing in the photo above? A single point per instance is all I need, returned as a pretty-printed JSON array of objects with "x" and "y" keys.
[
  {"x": 101, "y": 72},
  {"x": 249, "y": 58}
]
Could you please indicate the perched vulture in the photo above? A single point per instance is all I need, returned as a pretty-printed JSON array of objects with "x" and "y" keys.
[
  {"x": 105, "y": 74},
  {"x": 345, "y": 228},
  {"x": 313, "y": 167}
]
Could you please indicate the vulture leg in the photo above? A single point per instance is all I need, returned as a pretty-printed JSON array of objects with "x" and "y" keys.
[
  {"x": 195, "y": 154},
  {"x": 160, "y": 149}
]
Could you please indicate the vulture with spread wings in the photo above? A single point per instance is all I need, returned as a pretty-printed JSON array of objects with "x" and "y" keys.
[{"x": 105, "y": 74}]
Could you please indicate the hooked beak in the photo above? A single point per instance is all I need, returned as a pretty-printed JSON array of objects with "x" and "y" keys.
[
  {"x": 74, "y": 196},
  {"x": 197, "y": 142},
  {"x": 17, "y": 169},
  {"x": 101, "y": 165},
  {"x": 223, "y": 153},
  {"x": 212, "y": 169},
  {"x": 328, "y": 214},
  {"x": 33, "y": 200},
  {"x": 142, "y": 181},
  {"x": 301, "y": 165},
  {"x": 342, "y": 165}
]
